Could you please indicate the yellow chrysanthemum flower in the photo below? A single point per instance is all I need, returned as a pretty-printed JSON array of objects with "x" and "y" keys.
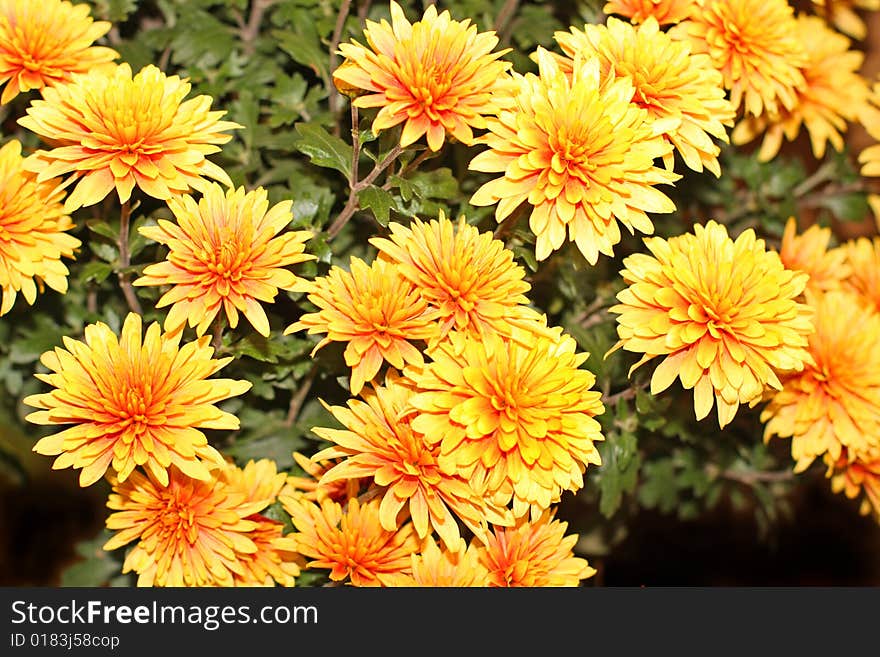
[
  {"x": 833, "y": 93},
  {"x": 834, "y": 402},
  {"x": 275, "y": 560},
  {"x": 133, "y": 402},
  {"x": 436, "y": 76},
  {"x": 44, "y": 43},
  {"x": 467, "y": 277},
  {"x": 444, "y": 567},
  {"x": 754, "y": 44},
  {"x": 225, "y": 252},
  {"x": 857, "y": 479},
  {"x": 189, "y": 532},
  {"x": 516, "y": 420},
  {"x": 683, "y": 93},
  {"x": 372, "y": 308},
  {"x": 723, "y": 312},
  {"x": 32, "y": 231},
  {"x": 844, "y": 15},
  {"x": 863, "y": 276},
  {"x": 534, "y": 553},
  {"x": 350, "y": 541},
  {"x": 379, "y": 443},
  {"x": 114, "y": 131},
  {"x": 664, "y": 12},
  {"x": 580, "y": 153},
  {"x": 808, "y": 252}
]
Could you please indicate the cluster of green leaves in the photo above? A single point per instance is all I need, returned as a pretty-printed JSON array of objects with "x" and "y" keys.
[{"x": 268, "y": 64}]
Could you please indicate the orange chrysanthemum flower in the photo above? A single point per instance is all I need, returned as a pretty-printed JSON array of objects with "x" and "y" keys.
[
  {"x": 858, "y": 479},
  {"x": 32, "y": 231},
  {"x": 379, "y": 443},
  {"x": 436, "y": 76},
  {"x": 534, "y": 553},
  {"x": 863, "y": 276},
  {"x": 467, "y": 277},
  {"x": 275, "y": 560},
  {"x": 834, "y": 92},
  {"x": 664, "y": 12},
  {"x": 115, "y": 131},
  {"x": 133, "y": 402},
  {"x": 844, "y": 15},
  {"x": 834, "y": 402},
  {"x": 189, "y": 532},
  {"x": 580, "y": 153},
  {"x": 224, "y": 252},
  {"x": 443, "y": 567},
  {"x": 754, "y": 44},
  {"x": 350, "y": 542},
  {"x": 682, "y": 92},
  {"x": 723, "y": 312},
  {"x": 372, "y": 308},
  {"x": 44, "y": 43},
  {"x": 808, "y": 252},
  {"x": 516, "y": 420}
]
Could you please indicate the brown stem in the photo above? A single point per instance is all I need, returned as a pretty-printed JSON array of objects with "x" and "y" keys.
[
  {"x": 125, "y": 260},
  {"x": 611, "y": 400},
  {"x": 417, "y": 161},
  {"x": 751, "y": 477},
  {"x": 217, "y": 339},
  {"x": 251, "y": 29},
  {"x": 363, "y": 10},
  {"x": 333, "y": 98},
  {"x": 355, "y": 145},
  {"x": 504, "y": 18},
  {"x": 351, "y": 205},
  {"x": 299, "y": 396}
]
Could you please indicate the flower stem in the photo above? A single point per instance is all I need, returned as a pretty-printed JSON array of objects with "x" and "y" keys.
[
  {"x": 503, "y": 19},
  {"x": 217, "y": 340},
  {"x": 351, "y": 205},
  {"x": 299, "y": 396},
  {"x": 251, "y": 30},
  {"x": 125, "y": 260},
  {"x": 333, "y": 98}
]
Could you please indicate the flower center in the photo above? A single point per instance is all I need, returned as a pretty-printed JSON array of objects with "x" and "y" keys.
[
  {"x": 429, "y": 84},
  {"x": 133, "y": 409},
  {"x": 178, "y": 519},
  {"x": 227, "y": 261}
]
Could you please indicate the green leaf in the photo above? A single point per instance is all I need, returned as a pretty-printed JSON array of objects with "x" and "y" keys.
[
  {"x": 95, "y": 272},
  {"x": 438, "y": 183},
  {"x": 618, "y": 474},
  {"x": 259, "y": 348},
  {"x": 324, "y": 149},
  {"x": 379, "y": 201},
  {"x": 304, "y": 49},
  {"x": 95, "y": 566},
  {"x": 659, "y": 489},
  {"x": 103, "y": 229},
  {"x": 847, "y": 207}
]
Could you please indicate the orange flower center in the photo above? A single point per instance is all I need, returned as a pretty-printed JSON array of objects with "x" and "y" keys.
[
  {"x": 428, "y": 85},
  {"x": 226, "y": 262},
  {"x": 177, "y": 520},
  {"x": 134, "y": 409}
]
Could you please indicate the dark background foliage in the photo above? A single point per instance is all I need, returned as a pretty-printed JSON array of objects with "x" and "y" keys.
[{"x": 676, "y": 502}]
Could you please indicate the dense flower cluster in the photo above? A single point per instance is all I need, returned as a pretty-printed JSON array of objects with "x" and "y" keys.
[
  {"x": 468, "y": 414},
  {"x": 831, "y": 408}
]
